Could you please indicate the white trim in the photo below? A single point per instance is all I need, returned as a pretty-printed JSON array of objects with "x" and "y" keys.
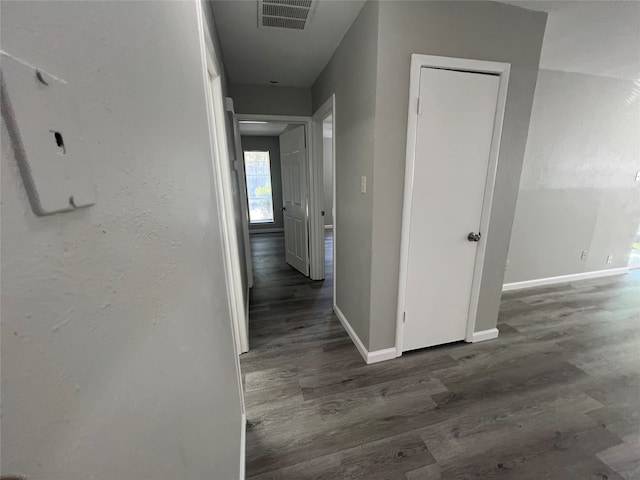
[
  {"x": 317, "y": 197},
  {"x": 266, "y": 230},
  {"x": 226, "y": 206},
  {"x": 369, "y": 357},
  {"x": 328, "y": 227},
  {"x": 483, "y": 335},
  {"x": 243, "y": 446},
  {"x": 308, "y": 128},
  {"x": 509, "y": 287},
  {"x": 242, "y": 187},
  {"x": 212, "y": 85},
  {"x": 417, "y": 63},
  {"x": 381, "y": 355}
]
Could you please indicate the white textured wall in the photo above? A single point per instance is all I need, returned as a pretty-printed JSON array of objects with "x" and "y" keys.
[
  {"x": 117, "y": 352},
  {"x": 578, "y": 190}
]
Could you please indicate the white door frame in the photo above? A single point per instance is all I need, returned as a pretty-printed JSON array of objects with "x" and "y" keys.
[
  {"x": 311, "y": 203},
  {"x": 242, "y": 187},
  {"x": 418, "y": 62},
  {"x": 317, "y": 230},
  {"x": 212, "y": 83},
  {"x": 222, "y": 178}
]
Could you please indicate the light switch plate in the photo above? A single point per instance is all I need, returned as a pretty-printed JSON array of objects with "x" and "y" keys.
[{"x": 45, "y": 130}]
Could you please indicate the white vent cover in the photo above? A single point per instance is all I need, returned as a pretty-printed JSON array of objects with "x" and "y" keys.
[{"x": 291, "y": 14}]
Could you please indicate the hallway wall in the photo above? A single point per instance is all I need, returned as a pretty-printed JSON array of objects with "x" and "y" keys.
[
  {"x": 271, "y": 100},
  {"x": 371, "y": 119},
  {"x": 505, "y": 34},
  {"x": 117, "y": 353},
  {"x": 351, "y": 75}
]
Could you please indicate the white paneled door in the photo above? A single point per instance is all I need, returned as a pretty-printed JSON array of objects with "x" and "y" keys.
[
  {"x": 293, "y": 160},
  {"x": 454, "y": 132}
]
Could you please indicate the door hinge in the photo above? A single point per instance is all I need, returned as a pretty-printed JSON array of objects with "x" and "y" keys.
[
  {"x": 404, "y": 317},
  {"x": 418, "y": 106}
]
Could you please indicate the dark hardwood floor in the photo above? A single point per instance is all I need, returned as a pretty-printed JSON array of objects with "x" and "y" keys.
[{"x": 556, "y": 396}]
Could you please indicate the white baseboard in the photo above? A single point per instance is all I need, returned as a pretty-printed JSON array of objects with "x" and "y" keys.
[
  {"x": 328, "y": 227},
  {"x": 266, "y": 230},
  {"x": 381, "y": 355},
  {"x": 483, "y": 335},
  {"x": 369, "y": 357},
  {"x": 243, "y": 445},
  {"x": 508, "y": 287}
]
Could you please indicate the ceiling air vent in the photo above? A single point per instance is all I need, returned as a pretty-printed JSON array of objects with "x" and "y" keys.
[{"x": 291, "y": 14}]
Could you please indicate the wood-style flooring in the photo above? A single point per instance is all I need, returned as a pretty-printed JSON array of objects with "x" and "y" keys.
[{"x": 556, "y": 396}]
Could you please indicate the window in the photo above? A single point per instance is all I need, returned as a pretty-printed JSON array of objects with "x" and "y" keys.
[{"x": 257, "y": 167}]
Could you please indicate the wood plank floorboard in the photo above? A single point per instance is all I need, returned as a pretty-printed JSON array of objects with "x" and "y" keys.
[{"x": 556, "y": 396}]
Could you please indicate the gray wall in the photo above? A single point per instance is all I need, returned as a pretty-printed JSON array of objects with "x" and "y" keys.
[
  {"x": 504, "y": 33},
  {"x": 374, "y": 145},
  {"x": 117, "y": 351},
  {"x": 271, "y": 145},
  {"x": 578, "y": 190},
  {"x": 351, "y": 75},
  {"x": 271, "y": 100}
]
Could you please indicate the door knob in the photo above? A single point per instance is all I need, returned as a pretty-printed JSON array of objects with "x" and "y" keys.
[
  {"x": 474, "y": 237},
  {"x": 283, "y": 209}
]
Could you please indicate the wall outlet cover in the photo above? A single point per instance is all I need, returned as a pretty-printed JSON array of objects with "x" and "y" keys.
[{"x": 43, "y": 123}]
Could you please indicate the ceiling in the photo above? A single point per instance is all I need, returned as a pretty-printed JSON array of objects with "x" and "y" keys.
[
  {"x": 262, "y": 129},
  {"x": 599, "y": 37},
  {"x": 592, "y": 37},
  {"x": 291, "y": 57}
]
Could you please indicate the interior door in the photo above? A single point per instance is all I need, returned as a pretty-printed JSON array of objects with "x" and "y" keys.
[
  {"x": 453, "y": 143},
  {"x": 293, "y": 156}
]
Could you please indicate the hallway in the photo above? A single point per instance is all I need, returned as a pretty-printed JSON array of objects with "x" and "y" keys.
[{"x": 555, "y": 396}]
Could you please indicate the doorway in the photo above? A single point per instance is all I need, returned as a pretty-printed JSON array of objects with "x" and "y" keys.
[
  {"x": 325, "y": 225},
  {"x": 327, "y": 190},
  {"x": 276, "y": 164},
  {"x": 456, "y": 110}
]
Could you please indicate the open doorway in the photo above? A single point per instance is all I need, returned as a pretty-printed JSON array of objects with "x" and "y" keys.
[
  {"x": 276, "y": 158},
  {"x": 278, "y": 163},
  {"x": 327, "y": 179},
  {"x": 325, "y": 188}
]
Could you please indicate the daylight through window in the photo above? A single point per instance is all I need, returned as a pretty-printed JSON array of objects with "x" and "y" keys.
[{"x": 257, "y": 168}]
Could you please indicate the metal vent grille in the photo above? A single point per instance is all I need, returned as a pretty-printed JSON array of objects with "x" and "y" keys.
[{"x": 291, "y": 14}]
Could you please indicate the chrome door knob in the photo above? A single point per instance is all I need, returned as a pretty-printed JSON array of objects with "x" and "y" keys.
[{"x": 474, "y": 237}]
